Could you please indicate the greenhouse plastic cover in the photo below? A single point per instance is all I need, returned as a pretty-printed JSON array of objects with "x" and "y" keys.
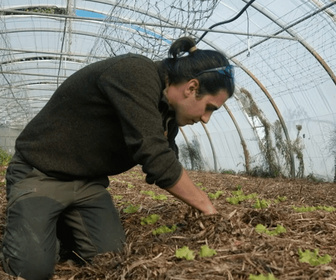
[{"x": 282, "y": 117}]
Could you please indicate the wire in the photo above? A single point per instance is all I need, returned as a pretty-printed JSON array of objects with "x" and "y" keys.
[{"x": 227, "y": 21}]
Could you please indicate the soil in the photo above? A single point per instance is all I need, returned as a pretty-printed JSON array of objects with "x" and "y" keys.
[{"x": 240, "y": 250}]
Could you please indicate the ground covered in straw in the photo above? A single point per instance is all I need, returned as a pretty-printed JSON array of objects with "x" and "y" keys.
[{"x": 283, "y": 209}]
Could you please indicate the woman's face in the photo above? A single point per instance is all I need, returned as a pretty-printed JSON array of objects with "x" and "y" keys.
[{"x": 189, "y": 108}]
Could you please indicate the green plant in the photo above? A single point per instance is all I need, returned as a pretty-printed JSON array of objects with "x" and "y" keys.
[
  {"x": 154, "y": 196},
  {"x": 131, "y": 209},
  {"x": 207, "y": 252},
  {"x": 314, "y": 208},
  {"x": 262, "y": 229},
  {"x": 238, "y": 196},
  {"x": 150, "y": 193},
  {"x": 150, "y": 220},
  {"x": 280, "y": 199},
  {"x": 160, "y": 197},
  {"x": 185, "y": 253},
  {"x": 229, "y": 172},
  {"x": 4, "y": 157},
  {"x": 313, "y": 258},
  {"x": 261, "y": 204},
  {"x": 164, "y": 229},
  {"x": 117, "y": 197},
  {"x": 215, "y": 195}
]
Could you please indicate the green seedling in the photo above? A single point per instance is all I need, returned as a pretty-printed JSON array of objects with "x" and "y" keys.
[
  {"x": 150, "y": 220},
  {"x": 160, "y": 197},
  {"x": 269, "y": 276},
  {"x": 154, "y": 196},
  {"x": 261, "y": 204},
  {"x": 313, "y": 208},
  {"x": 117, "y": 197},
  {"x": 150, "y": 193},
  {"x": 281, "y": 198},
  {"x": 131, "y": 209},
  {"x": 137, "y": 175},
  {"x": 164, "y": 229},
  {"x": 130, "y": 186},
  {"x": 185, "y": 253},
  {"x": 238, "y": 196},
  {"x": 199, "y": 184},
  {"x": 262, "y": 229},
  {"x": 207, "y": 252},
  {"x": 215, "y": 195},
  {"x": 313, "y": 258},
  {"x": 326, "y": 208}
]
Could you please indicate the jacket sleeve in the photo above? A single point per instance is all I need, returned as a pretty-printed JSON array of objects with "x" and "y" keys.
[{"x": 133, "y": 87}]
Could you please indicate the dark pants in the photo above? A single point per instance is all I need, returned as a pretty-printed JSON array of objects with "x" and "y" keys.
[{"x": 38, "y": 207}]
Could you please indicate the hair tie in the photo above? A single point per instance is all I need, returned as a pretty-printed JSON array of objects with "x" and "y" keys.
[{"x": 192, "y": 49}]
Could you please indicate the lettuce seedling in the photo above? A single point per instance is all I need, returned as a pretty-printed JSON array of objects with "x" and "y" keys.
[
  {"x": 262, "y": 229},
  {"x": 207, "y": 252},
  {"x": 261, "y": 204},
  {"x": 281, "y": 198},
  {"x": 313, "y": 208},
  {"x": 238, "y": 196},
  {"x": 150, "y": 220},
  {"x": 215, "y": 195},
  {"x": 160, "y": 197},
  {"x": 131, "y": 209},
  {"x": 185, "y": 253},
  {"x": 150, "y": 193},
  {"x": 164, "y": 229},
  {"x": 154, "y": 196},
  {"x": 313, "y": 258},
  {"x": 326, "y": 208}
]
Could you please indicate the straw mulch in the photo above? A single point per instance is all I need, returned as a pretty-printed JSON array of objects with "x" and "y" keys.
[{"x": 240, "y": 250}]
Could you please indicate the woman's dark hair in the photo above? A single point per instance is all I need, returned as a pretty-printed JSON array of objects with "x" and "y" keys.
[{"x": 180, "y": 67}]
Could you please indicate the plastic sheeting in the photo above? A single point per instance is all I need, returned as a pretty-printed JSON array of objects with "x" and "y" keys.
[{"x": 282, "y": 117}]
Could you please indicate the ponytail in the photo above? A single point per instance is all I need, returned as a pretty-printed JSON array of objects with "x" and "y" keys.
[
  {"x": 181, "y": 46},
  {"x": 180, "y": 67}
]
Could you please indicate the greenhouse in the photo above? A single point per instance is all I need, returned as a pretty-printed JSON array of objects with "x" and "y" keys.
[
  {"x": 281, "y": 119},
  {"x": 279, "y": 124}
]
